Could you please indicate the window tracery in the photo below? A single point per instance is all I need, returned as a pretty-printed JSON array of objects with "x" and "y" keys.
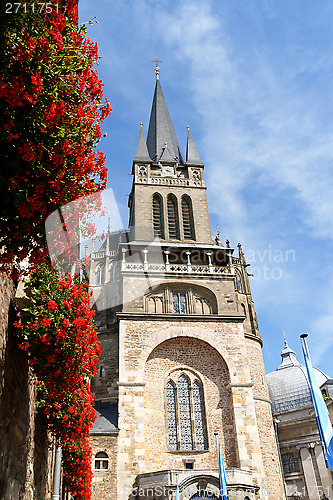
[
  {"x": 186, "y": 300},
  {"x": 179, "y": 305},
  {"x": 185, "y": 424},
  {"x": 185, "y": 415},
  {"x": 171, "y": 416}
]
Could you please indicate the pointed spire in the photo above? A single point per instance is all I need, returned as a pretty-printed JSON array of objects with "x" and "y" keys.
[
  {"x": 192, "y": 155},
  {"x": 161, "y": 129},
  {"x": 141, "y": 150}
]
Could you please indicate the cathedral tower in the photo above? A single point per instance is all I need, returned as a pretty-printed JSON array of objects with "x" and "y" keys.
[{"x": 183, "y": 361}]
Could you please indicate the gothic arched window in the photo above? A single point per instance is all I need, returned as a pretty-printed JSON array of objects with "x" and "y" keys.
[
  {"x": 188, "y": 226},
  {"x": 185, "y": 415},
  {"x": 199, "y": 424},
  {"x": 158, "y": 216},
  {"x": 239, "y": 285},
  {"x": 173, "y": 225},
  {"x": 171, "y": 416},
  {"x": 185, "y": 421},
  {"x": 100, "y": 274},
  {"x": 179, "y": 303}
]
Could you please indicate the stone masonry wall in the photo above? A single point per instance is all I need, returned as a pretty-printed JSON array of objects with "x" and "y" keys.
[
  {"x": 138, "y": 339},
  {"x": 23, "y": 439},
  {"x": 269, "y": 449},
  {"x": 190, "y": 356},
  {"x": 104, "y": 485}
]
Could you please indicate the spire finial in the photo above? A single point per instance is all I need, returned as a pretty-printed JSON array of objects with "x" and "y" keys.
[
  {"x": 141, "y": 124},
  {"x": 109, "y": 225},
  {"x": 285, "y": 338},
  {"x": 157, "y": 68},
  {"x": 188, "y": 127}
]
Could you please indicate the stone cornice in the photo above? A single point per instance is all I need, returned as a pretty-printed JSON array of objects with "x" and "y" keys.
[
  {"x": 181, "y": 317},
  {"x": 254, "y": 337}
]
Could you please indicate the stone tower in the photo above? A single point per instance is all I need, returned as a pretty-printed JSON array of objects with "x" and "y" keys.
[{"x": 182, "y": 356}]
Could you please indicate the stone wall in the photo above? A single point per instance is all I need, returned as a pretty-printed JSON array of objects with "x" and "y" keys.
[
  {"x": 189, "y": 356},
  {"x": 23, "y": 440},
  {"x": 104, "y": 485},
  {"x": 149, "y": 350},
  {"x": 269, "y": 449}
]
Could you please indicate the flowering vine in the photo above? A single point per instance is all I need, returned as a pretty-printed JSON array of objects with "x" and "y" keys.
[
  {"x": 56, "y": 330},
  {"x": 53, "y": 107}
]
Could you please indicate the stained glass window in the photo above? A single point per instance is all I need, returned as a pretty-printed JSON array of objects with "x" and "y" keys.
[
  {"x": 175, "y": 303},
  {"x": 199, "y": 424},
  {"x": 185, "y": 415},
  {"x": 185, "y": 421},
  {"x": 179, "y": 303},
  {"x": 172, "y": 417},
  {"x": 239, "y": 286}
]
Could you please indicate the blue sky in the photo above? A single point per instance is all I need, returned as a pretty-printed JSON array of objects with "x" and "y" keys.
[{"x": 254, "y": 82}]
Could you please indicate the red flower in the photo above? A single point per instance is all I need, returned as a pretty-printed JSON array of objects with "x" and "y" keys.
[
  {"x": 51, "y": 305},
  {"x": 45, "y": 322}
]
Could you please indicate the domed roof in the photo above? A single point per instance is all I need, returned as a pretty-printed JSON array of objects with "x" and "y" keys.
[{"x": 288, "y": 386}]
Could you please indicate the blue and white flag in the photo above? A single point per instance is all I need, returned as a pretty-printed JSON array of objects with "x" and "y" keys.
[
  {"x": 222, "y": 475},
  {"x": 323, "y": 420}
]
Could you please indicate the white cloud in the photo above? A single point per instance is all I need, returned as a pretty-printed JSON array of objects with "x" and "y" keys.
[{"x": 264, "y": 129}]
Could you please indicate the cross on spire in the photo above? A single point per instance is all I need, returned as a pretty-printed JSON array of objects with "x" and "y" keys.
[{"x": 157, "y": 68}]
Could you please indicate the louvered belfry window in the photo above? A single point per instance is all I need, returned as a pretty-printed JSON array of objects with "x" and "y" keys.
[
  {"x": 172, "y": 217},
  {"x": 185, "y": 415},
  {"x": 188, "y": 227},
  {"x": 158, "y": 216}
]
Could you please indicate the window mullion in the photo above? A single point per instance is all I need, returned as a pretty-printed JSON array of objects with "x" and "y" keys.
[
  {"x": 178, "y": 420},
  {"x": 194, "y": 437}
]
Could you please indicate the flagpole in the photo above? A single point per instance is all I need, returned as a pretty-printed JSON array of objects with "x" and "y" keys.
[
  {"x": 218, "y": 459},
  {"x": 323, "y": 421},
  {"x": 222, "y": 474}
]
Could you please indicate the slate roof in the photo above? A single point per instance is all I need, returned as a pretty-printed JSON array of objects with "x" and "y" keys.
[
  {"x": 106, "y": 418},
  {"x": 160, "y": 130},
  {"x": 192, "y": 155},
  {"x": 141, "y": 150}
]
